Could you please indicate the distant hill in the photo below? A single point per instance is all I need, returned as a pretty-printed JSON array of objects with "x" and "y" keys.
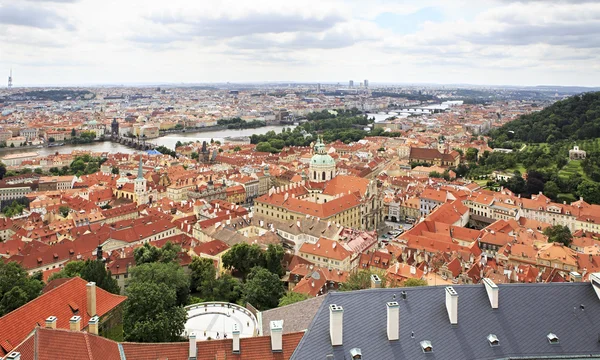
[{"x": 575, "y": 118}]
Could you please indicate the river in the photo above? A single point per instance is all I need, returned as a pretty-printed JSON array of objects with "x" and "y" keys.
[{"x": 168, "y": 141}]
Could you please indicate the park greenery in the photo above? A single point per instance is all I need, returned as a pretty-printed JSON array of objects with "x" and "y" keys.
[
  {"x": 238, "y": 123},
  {"x": 559, "y": 234},
  {"x": 540, "y": 144},
  {"x": 16, "y": 287},
  {"x": 89, "y": 270},
  {"x": 291, "y": 297}
]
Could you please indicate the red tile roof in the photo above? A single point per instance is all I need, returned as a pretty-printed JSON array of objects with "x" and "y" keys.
[
  {"x": 49, "y": 344},
  {"x": 16, "y": 325}
]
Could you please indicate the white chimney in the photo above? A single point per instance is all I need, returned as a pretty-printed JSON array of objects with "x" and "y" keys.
[
  {"x": 393, "y": 320},
  {"x": 91, "y": 298},
  {"x": 51, "y": 322},
  {"x": 193, "y": 348},
  {"x": 595, "y": 280},
  {"x": 236, "y": 338},
  {"x": 375, "y": 281},
  {"x": 276, "y": 335},
  {"x": 452, "y": 304},
  {"x": 75, "y": 323},
  {"x": 492, "y": 291},
  {"x": 336, "y": 321},
  {"x": 93, "y": 325},
  {"x": 15, "y": 355}
]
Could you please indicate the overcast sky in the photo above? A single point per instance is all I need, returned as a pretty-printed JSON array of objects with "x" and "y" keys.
[{"x": 492, "y": 42}]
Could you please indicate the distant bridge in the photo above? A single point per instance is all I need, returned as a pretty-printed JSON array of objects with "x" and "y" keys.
[{"x": 135, "y": 143}]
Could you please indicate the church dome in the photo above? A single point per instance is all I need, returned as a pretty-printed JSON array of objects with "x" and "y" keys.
[{"x": 322, "y": 159}]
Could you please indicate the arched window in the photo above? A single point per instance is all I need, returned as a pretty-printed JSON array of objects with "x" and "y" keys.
[
  {"x": 315, "y": 175},
  {"x": 323, "y": 175}
]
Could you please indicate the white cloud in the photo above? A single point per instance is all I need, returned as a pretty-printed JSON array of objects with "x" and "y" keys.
[{"x": 116, "y": 41}]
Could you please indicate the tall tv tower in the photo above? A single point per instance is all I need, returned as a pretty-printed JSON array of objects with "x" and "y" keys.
[{"x": 10, "y": 79}]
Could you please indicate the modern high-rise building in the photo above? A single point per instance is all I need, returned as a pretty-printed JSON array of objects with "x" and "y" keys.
[
  {"x": 351, "y": 84},
  {"x": 10, "y": 79},
  {"x": 318, "y": 88},
  {"x": 366, "y": 83}
]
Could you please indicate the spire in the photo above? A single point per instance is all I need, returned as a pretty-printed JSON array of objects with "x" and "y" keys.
[{"x": 140, "y": 171}]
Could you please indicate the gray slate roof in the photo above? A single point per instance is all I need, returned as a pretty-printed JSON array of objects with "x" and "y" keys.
[
  {"x": 525, "y": 315},
  {"x": 296, "y": 317}
]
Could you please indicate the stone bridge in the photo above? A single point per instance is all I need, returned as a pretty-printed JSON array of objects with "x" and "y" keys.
[{"x": 135, "y": 143}]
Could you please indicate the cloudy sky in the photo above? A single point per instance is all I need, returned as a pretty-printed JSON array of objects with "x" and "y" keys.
[{"x": 495, "y": 42}]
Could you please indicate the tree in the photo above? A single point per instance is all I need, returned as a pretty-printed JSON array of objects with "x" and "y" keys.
[
  {"x": 73, "y": 133},
  {"x": 237, "y": 148},
  {"x": 203, "y": 277},
  {"x": 471, "y": 154},
  {"x": 152, "y": 312},
  {"x": 115, "y": 170},
  {"x": 14, "y": 209},
  {"x": 64, "y": 210},
  {"x": 95, "y": 270},
  {"x": 51, "y": 139},
  {"x": 265, "y": 147},
  {"x": 243, "y": 257},
  {"x": 361, "y": 280},
  {"x": 194, "y": 155},
  {"x": 2, "y": 170},
  {"x": 149, "y": 254},
  {"x": 274, "y": 258},
  {"x": 560, "y": 234},
  {"x": 71, "y": 269},
  {"x": 291, "y": 297},
  {"x": 590, "y": 191},
  {"x": 263, "y": 289},
  {"x": 227, "y": 288},
  {"x": 169, "y": 274},
  {"x": 414, "y": 282},
  {"x": 16, "y": 287},
  {"x": 77, "y": 165},
  {"x": 551, "y": 189}
]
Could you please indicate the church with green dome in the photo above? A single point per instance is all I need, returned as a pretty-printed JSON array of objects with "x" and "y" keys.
[{"x": 322, "y": 165}]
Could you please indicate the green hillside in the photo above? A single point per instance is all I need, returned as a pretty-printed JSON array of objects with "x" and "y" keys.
[{"x": 575, "y": 118}]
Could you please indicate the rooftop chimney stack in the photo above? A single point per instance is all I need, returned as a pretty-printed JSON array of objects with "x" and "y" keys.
[
  {"x": 575, "y": 276},
  {"x": 452, "y": 304},
  {"x": 393, "y": 320},
  {"x": 91, "y": 298},
  {"x": 51, "y": 322},
  {"x": 492, "y": 291},
  {"x": 75, "y": 323},
  {"x": 93, "y": 325},
  {"x": 276, "y": 335},
  {"x": 236, "y": 338},
  {"x": 336, "y": 322},
  {"x": 595, "y": 280},
  {"x": 375, "y": 282},
  {"x": 15, "y": 355},
  {"x": 193, "y": 348}
]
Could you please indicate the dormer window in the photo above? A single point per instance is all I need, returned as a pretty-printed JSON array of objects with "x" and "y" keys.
[
  {"x": 426, "y": 346},
  {"x": 493, "y": 340},
  {"x": 552, "y": 338}
]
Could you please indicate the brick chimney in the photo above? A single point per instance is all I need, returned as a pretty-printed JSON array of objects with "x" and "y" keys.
[
  {"x": 91, "y": 298},
  {"x": 193, "y": 346},
  {"x": 51, "y": 322},
  {"x": 93, "y": 325},
  {"x": 75, "y": 323},
  {"x": 236, "y": 338},
  {"x": 276, "y": 335},
  {"x": 452, "y": 304},
  {"x": 336, "y": 322}
]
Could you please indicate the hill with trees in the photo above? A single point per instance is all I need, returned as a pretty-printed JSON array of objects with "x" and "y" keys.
[{"x": 575, "y": 118}]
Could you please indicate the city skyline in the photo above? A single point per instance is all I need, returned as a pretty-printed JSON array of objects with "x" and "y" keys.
[{"x": 493, "y": 42}]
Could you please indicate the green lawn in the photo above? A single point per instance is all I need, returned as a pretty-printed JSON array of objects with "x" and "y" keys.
[{"x": 573, "y": 167}]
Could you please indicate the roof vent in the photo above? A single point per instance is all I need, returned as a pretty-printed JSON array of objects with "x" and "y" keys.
[
  {"x": 552, "y": 338},
  {"x": 355, "y": 354},
  {"x": 426, "y": 346},
  {"x": 493, "y": 340}
]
